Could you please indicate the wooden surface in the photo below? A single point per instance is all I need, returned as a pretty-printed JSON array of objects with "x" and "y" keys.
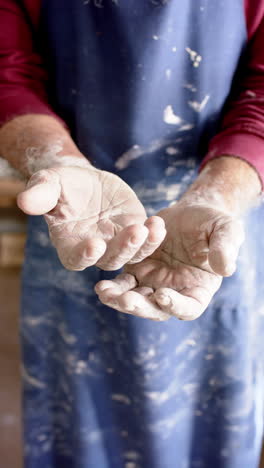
[
  {"x": 12, "y": 240},
  {"x": 12, "y": 249},
  {"x": 12, "y": 224},
  {"x": 9, "y": 188},
  {"x": 10, "y": 388}
]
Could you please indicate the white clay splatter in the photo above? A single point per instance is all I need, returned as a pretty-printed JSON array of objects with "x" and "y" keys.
[
  {"x": 31, "y": 380},
  {"x": 81, "y": 367},
  {"x": 170, "y": 170},
  {"x": 133, "y": 153},
  {"x": 121, "y": 398},
  {"x": 191, "y": 342},
  {"x": 136, "y": 151},
  {"x": 162, "y": 191},
  {"x": 168, "y": 73},
  {"x": 199, "y": 106},
  {"x": 190, "y": 87},
  {"x": 194, "y": 56},
  {"x": 164, "y": 426},
  {"x": 171, "y": 150},
  {"x": 170, "y": 118},
  {"x": 67, "y": 337},
  {"x": 186, "y": 127}
]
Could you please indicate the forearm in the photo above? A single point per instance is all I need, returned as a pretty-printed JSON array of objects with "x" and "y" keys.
[
  {"x": 33, "y": 142},
  {"x": 226, "y": 183}
]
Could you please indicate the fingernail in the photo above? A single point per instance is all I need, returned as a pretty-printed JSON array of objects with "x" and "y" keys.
[
  {"x": 102, "y": 287},
  {"x": 163, "y": 299}
]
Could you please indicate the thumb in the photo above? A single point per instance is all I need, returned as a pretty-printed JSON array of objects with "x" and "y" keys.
[
  {"x": 224, "y": 244},
  {"x": 41, "y": 194}
]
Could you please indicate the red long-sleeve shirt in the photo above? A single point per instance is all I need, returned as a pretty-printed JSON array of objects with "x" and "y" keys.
[{"x": 23, "y": 79}]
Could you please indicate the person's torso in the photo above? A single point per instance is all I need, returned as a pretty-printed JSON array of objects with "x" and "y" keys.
[{"x": 141, "y": 78}]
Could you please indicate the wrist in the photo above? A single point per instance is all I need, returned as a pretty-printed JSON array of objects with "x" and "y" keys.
[
  {"x": 47, "y": 161},
  {"x": 34, "y": 142},
  {"x": 226, "y": 183},
  {"x": 51, "y": 159}
]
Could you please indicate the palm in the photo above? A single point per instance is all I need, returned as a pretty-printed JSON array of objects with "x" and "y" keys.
[
  {"x": 181, "y": 262},
  {"x": 187, "y": 267},
  {"x": 95, "y": 217},
  {"x": 97, "y": 202}
]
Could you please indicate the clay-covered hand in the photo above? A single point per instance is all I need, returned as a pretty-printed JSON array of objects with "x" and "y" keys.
[
  {"x": 94, "y": 218},
  {"x": 180, "y": 278}
]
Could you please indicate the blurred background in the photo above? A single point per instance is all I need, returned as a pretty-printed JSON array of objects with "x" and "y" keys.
[{"x": 12, "y": 241}]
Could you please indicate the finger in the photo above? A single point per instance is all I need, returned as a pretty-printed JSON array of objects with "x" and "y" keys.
[
  {"x": 41, "y": 194},
  {"x": 156, "y": 235},
  {"x": 181, "y": 306},
  {"x": 131, "y": 302},
  {"x": 144, "y": 291},
  {"x": 82, "y": 255},
  {"x": 224, "y": 245},
  {"x": 122, "y": 247},
  {"x": 120, "y": 284},
  {"x": 110, "y": 290}
]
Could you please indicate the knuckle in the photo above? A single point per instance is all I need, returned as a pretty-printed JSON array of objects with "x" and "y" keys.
[{"x": 110, "y": 265}]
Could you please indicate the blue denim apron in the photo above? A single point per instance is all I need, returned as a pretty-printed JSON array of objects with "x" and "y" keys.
[{"x": 142, "y": 85}]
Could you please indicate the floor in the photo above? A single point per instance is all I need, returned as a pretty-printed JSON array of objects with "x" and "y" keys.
[{"x": 10, "y": 412}]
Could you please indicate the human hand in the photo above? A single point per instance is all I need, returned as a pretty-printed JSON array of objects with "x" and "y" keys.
[
  {"x": 94, "y": 218},
  {"x": 180, "y": 278},
  {"x": 204, "y": 233}
]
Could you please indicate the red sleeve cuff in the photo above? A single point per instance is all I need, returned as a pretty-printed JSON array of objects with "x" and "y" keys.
[
  {"x": 246, "y": 146},
  {"x": 13, "y": 105}
]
